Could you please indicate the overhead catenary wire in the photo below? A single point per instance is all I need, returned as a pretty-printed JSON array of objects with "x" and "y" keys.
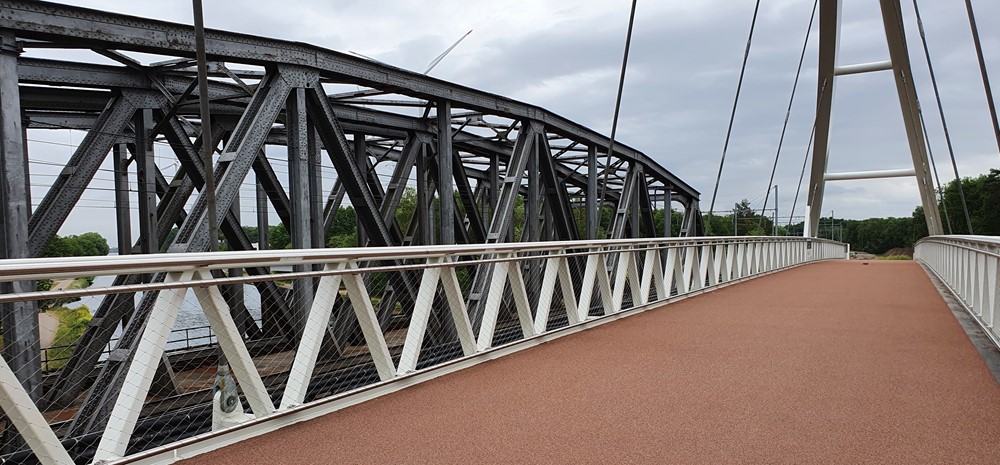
[
  {"x": 791, "y": 101},
  {"x": 732, "y": 115},
  {"x": 618, "y": 105},
  {"x": 982, "y": 71},
  {"x": 944, "y": 121}
]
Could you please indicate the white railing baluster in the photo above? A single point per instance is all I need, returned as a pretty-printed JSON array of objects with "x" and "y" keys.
[
  {"x": 720, "y": 264},
  {"x": 968, "y": 266},
  {"x": 27, "y": 420},
  {"x": 545, "y": 295},
  {"x": 520, "y": 299},
  {"x": 456, "y": 304},
  {"x": 139, "y": 378},
  {"x": 233, "y": 347},
  {"x": 673, "y": 272},
  {"x": 422, "y": 308},
  {"x": 361, "y": 302},
  {"x": 691, "y": 267},
  {"x": 312, "y": 338}
]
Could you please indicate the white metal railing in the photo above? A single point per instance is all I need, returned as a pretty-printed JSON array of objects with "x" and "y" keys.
[
  {"x": 535, "y": 292},
  {"x": 968, "y": 265}
]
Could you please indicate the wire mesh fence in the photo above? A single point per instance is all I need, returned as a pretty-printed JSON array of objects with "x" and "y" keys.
[{"x": 198, "y": 344}]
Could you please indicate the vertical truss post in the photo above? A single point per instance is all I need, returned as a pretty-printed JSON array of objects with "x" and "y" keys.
[
  {"x": 667, "y": 212},
  {"x": 423, "y": 199},
  {"x": 532, "y": 215},
  {"x": 634, "y": 208},
  {"x": 315, "y": 201},
  {"x": 298, "y": 173},
  {"x": 494, "y": 185},
  {"x": 592, "y": 214},
  {"x": 501, "y": 225},
  {"x": 146, "y": 174},
  {"x": 445, "y": 180},
  {"x": 20, "y": 323},
  {"x": 532, "y": 207},
  {"x": 262, "y": 217},
  {"x": 361, "y": 153},
  {"x": 123, "y": 214},
  {"x": 235, "y": 296}
]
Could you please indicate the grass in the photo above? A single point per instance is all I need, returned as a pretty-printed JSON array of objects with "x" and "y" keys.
[
  {"x": 72, "y": 323},
  {"x": 895, "y": 257}
]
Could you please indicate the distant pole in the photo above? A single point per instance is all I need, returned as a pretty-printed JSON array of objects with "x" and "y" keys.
[
  {"x": 831, "y": 225},
  {"x": 775, "y": 225},
  {"x": 207, "y": 142}
]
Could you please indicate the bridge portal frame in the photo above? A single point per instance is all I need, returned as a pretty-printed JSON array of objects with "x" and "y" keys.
[{"x": 829, "y": 70}]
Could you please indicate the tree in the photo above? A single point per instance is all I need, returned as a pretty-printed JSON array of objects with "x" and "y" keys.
[
  {"x": 982, "y": 195},
  {"x": 278, "y": 237},
  {"x": 86, "y": 244}
]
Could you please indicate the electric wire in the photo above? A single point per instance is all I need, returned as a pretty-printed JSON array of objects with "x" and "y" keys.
[
  {"x": 732, "y": 116},
  {"x": 944, "y": 121},
  {"x": 982, "y": 71},
  {"x": 788, "y": 112}
]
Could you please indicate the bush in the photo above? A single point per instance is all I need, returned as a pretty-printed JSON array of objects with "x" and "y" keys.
[{"x": 72, "y": 324}]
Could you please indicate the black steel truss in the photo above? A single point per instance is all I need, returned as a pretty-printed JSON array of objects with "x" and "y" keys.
[{"x": 488, "y": 149}]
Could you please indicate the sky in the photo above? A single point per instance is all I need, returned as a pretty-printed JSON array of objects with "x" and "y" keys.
[{"x": 683, "y": 69}]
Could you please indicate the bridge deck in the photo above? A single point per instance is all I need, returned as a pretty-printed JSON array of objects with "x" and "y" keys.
[{"x": 836, "y": 362}]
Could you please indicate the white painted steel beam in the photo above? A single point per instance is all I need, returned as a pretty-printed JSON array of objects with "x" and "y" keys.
[
  {"x": 374, "y": 338},
  {"x": 25, "y": 417},
  {"x": 879, "y": 174},
  {"x": 863, "y": 68},
  {"x": 312, "y": 339},
  {"x": 147, "y": 356},
  {"x": 233, "y": 347}
]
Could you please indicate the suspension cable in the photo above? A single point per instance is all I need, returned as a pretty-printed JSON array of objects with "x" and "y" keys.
[
  {"x": 732, "y": 115},
  {"x": 937, "y": 180},
  {"x": 944, "y": 122},
  {"x": 982, "y": 70},
  {"x": 618, "y": 105},
  {"x": 802, "y": 174},
  {"x": 788, "y": 112}
]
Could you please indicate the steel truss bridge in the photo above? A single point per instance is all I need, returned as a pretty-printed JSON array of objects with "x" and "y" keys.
[{"x": 467, "y": 279}]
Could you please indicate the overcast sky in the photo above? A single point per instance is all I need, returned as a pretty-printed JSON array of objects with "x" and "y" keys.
[{"x": 682, "y": 76}]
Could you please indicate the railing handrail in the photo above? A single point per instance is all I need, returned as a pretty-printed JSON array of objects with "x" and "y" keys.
[
  {"x": 524, "y": 289},
  {"x": 62, "y": 267},
  {"x": 989, "y": 240},
  {"x": 968, "y": 266}
]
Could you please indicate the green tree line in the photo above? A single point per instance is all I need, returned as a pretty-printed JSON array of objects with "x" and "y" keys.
[{"x": 879, "y": 235}]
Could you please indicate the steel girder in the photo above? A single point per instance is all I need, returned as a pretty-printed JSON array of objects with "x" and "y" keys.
[{"x": 38, "y": 20}]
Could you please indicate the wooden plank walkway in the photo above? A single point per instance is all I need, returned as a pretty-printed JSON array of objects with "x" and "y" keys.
[{"x": 836, "y": 362}]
